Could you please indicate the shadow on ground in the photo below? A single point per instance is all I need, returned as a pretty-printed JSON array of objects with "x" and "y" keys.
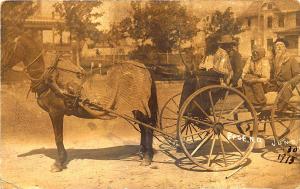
[{"x": 110, "y": 153}]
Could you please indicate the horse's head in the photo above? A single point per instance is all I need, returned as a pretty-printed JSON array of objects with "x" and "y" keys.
[
  {"x": 23, "y": 49},
  {"x": 10, "y": 57}
]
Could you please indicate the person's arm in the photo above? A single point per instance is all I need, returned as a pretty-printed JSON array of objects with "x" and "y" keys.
[
  {"x": 265, "y": 77},
  {"x": 246, "y": 69},
  {"x": 295, "y": 67}
]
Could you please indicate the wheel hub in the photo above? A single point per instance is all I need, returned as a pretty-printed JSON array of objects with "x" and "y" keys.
[{"x": 218, "y": 128}]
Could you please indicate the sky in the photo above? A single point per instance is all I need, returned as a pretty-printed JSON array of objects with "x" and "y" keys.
[{"x": 115, "y": 10}]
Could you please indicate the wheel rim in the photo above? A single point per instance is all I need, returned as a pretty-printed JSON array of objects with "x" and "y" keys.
[
  {"x": 205, "y": 138},
  {"x": 168, "y": 117},
  {"x": 285, "y": 124}
]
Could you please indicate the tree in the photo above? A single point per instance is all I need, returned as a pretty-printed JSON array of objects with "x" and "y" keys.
[
  {"x": 13, "y": 16},
  {"x": 80, "y": 19},
  {"x": 160, "y": 24},
  {"x": 221, "y": 23}
]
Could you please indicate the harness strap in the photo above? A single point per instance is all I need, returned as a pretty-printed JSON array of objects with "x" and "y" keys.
[{"x": 26, "y": 67}]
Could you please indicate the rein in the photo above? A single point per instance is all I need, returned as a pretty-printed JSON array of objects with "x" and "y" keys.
[
  {"x": 71, "y": 71},
  {"x": 28, "y": 66}
]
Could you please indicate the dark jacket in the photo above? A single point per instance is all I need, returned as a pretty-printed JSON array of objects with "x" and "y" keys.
[
  {"x": 237, "y": 66},
  {"x": 290, "y": 67}
]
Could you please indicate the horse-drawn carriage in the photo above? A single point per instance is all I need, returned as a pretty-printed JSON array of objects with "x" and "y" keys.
[
  {"x": 216, "y": 135},
  {"x": 220, "y": 134}
]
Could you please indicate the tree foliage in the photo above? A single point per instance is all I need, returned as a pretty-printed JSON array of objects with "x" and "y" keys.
[
  {"x": 13, "y": 16},
  {"x": 161, "y": 24},
  {"x": 80, "y": 17},
  {"x": 221, "y": 23}
]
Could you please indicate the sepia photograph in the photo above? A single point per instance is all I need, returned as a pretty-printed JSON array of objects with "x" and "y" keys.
[{"x": 146, "y": 94}]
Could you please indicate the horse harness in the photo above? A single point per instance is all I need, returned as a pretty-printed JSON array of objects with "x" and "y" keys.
[{"x": 48, "y": 81}]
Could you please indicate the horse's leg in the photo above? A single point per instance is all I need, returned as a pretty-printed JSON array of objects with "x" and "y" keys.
[
  {"x": 148, "y": 153},
  {"x": 57, "y": 123},
  {"x": 146, "y": 138},
  {"x": 142, "y": 143}
]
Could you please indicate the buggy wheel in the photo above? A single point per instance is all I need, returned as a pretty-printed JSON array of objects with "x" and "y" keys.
[
  {"x": 209, "y": 131},
  {"x": 168, "y": 117},
  {"x": 285, "y": 117}
]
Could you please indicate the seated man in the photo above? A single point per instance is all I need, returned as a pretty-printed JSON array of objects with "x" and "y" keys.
[
  {"x": 283, "y": 68},
  {"x": 255, "y": 74},
  {"x": 210, "y": 73}
]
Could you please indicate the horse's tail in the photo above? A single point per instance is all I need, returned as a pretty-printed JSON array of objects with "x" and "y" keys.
[{"x": 153, "y": 104}]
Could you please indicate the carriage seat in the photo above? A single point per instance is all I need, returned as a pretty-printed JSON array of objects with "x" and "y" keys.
[{"x": 271, "y": 97}]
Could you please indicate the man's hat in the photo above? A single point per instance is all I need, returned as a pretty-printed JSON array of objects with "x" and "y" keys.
[
  {"x": 282, "y": 40},
  {"x": 226, "y": 39}
]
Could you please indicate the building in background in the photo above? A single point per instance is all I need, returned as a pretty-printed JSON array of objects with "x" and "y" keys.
[
  {"x": 45, "y": 21},
  {"x": 265, "y": 20}
]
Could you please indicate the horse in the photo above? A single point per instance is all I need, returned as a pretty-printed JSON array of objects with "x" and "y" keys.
[{"x": 50, "y": 85}]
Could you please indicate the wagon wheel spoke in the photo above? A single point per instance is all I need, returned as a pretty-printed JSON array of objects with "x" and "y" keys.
[
  {"x": 223, "y": 150},
  {"x": 169, "y": 118},
  {"x": 238, "y": 122},
  {"x": 281, "y": 123},
  {"x": 170, "y": 126},
  {"x": 212, "y": 105},
  {"x": 292, "y": 105},
  {"x": 222, "y": 108},
  {"x": 198, "y": 121},
  {"x": 211, "y": 149},
  {"x": 197, "y": 133},
  {"x": 200, "y": 108},
  {"x": 232, "y": 143},
  {"x": 192, "y": 126},
  {"x": 235, "y": 109},
  {"x": 172, "y": 110},
  {"x": 187, "y": 129},
  {"x": 184, "y": 127},
  {"x": 191, "y": 132},
  {"x": 288, "y": 131},
  {"x": 175, "y": 103},
  {"x": 202, "y": 142}
]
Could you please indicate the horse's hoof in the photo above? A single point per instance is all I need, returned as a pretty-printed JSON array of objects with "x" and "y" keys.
[
  {"x": 145, "y": 162},
  {"x": 56, "y": 168}
]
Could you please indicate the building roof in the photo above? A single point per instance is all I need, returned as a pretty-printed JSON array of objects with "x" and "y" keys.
[
  {"x": 40, "y": 22},
  {"x": 291, "y": 31},
  {"x": 252, "y": 10},
  {"x": 281, "y": 5}
]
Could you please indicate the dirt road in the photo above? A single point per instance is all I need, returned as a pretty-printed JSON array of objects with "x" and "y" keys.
[{"x": 102, "y": 154}]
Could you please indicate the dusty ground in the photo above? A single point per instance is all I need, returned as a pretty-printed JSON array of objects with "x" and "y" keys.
[{"x": 102, "y": 154}]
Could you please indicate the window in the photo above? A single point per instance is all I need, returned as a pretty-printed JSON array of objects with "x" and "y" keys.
[
  {"x": 270, "y": 20},
  {"x": 298, "y": 19},
  {"x": 281, "y": 21},
  {"x": 270, "y": 43},
  {"x": 293, "y": 41},
  {"x": 249, "y": 22},
  {"x": 270, "y": 6}
]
